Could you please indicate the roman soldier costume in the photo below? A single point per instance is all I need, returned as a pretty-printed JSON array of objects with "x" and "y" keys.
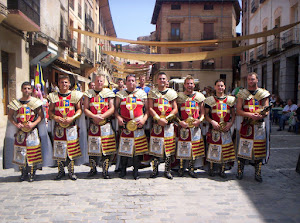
[
  {"x": 190, "y": 142},
  {"x": 133, "y": 141},
  {"x": 253, "y": 138},
  {"x": 66, "y": 146},
  {"x": 101, "y": 137},
  {"x": 220, "y": 145},
  {"x": 27, "y": 152},
  {"x": 162, "y": 138}
]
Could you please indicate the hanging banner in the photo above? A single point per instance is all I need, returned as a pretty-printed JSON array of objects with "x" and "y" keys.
[
  {"x": 189, "y": 43},
  {"x": 183, "y": 56}
]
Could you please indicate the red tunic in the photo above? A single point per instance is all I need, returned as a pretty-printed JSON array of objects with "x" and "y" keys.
[
  {"x": 221, "y": 111},
  {"x": 131, "y": 108},
  {"x": 64, "y": 107}
]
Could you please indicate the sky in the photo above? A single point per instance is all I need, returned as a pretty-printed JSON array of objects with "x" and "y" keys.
[{"x": 132, "y": 18}]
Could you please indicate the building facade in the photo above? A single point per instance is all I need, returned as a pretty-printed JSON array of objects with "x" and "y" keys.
[
  {"x": 277, "y": 61},
  {"x": 195, "y": 20}
]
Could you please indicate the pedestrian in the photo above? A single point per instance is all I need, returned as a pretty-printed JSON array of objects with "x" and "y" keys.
[
  {"x": 142, "y": 85},
  {"x": 23, "y": 144},
  {"x": 131, "y": 112},
  {"x": 287, "y": 112},
  {"x": 99, "y": 107},
  {"x": 91, "y": 85},
  {"x": 64, "y": 109},
  {"x": 220, "y": 113},
  {"x": 163, "y": 108},
  {"x": 252, "y": 141},
  {"x": 120, "y": 83},
  {"x": 190, "y": 142}
]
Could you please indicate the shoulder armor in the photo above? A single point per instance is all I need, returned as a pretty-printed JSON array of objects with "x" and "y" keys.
[
  {"x": 170, "y": 95},
  {"x": 121, "y": 94},
  {"x": 141, "y": 94},
  {"x": 76, "y": 96},
  {"x": 34, "y": 103},
  {"x": 261, "y": 94},
  {"x": 107, "y": 93},
  {"x": 210, "y": 101},
  {"x": 154, "y": 94},
  {"x": 199, "y": 97},
  {"x": 14, "y": 105},
  {"x": 89, "y": 93},
  {"x": 230, "y": 101},
  {"x": 244, "y": 94},
  {"x": 53, "y": 97},
  {"x": 181, "y": 98}
]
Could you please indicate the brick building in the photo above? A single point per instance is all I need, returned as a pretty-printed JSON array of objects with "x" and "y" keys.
[{"x": 194, "y": 20}]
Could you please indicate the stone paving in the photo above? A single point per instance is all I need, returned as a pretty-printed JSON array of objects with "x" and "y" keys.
[{"x": 206, "y": 199}]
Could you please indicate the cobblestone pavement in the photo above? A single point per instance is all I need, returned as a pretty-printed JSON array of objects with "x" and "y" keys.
[{"x": 206, "y": 199}]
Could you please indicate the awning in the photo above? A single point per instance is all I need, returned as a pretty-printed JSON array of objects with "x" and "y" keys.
[{"x": 77, "y": 76}]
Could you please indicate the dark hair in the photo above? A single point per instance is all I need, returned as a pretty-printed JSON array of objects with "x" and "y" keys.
[
  {"x": 220, "y": 80},
  {"x": 130, "y": 75},
  {"x": 90, "y": 83},
  {"x": 120, "y": 79},
  {"x": 189, "y": 77},
  {"x": 64, "y": 76},
  {"x": 161, "y": 73},
  {"x": 26, "y": 83},
  {"x": 253, "y": 73}
]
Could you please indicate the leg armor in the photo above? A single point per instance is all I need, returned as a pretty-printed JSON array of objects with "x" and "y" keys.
[
  {"x": 105, "y": 166},
  {"x": 123, "y": 161},
  {"x": 72, "y": 175},
  {"x": 155, "y": 163},
  {"x": 61, "y": 170},
  {"x": 258, "y": 171},
  {"x": 240, "y": 170},
  {"x": 222, "y": 172},
  {"x": 24, "y": 173},
  {"x": 168, "y": 168},
  {"x": 32, "y": 173},
  {"x": 136, "y": 165},
  {"x": 181, "y": 170},
  {"x": 93, "y": 165},
  {"x": 211, "y": 169},
  {"x": 192, "y": 169}
]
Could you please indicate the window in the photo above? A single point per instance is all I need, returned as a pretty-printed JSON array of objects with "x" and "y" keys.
[
  {"x": 208, "y": 6},
  {"x": 71, "y": 3},
  {"x": 208, "y": 31},
  {"x": 208, "y": 64},
  {"x": 175, "y": 32},
  {"x": 175, "y": 7},
  {"x": 174, "y": 65},
  {"x": 264, "y": 76}
]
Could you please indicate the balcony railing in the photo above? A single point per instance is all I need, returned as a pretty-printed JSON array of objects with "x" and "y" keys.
[
  {"x": 291, "y": 37},
  {"x": 29, "y": 8},
  {"x": 252, "y": 59},
  {"x": 65, "y": 37},
  {"x": 208, "y": 36},
  {"x": 174, "y": 65},
  {"x": 89, "y": 22},
  {"x": 254, "y": 6},
  {"x": 273, "y": 46},
  {"x": 71, "y": 3},
  {"x": 79, "y": 10},
  {"x": 175, "y": 37},
  {"x": 3, "y": 12},
  {"x": 261, "y": 52},
  {"x": 74, "y": 44},
  {"x": 208, "y": 64}
]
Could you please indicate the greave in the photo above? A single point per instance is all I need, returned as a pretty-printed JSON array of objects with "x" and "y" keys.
[
  {"x": 240, "y": 170},
  {"x": 105, "y": 166},
  {"x": 155, "y": 164},
  {"x": 192, "y": 168},
  {"x": 258, "y": 165},
  {"x": 93, "y": 166},
  {"x": 211, "y": 169},
  {"x": 181, "y": 170},
  {"x": 123, "y": 161},
  {"x": 136, "y": 164},
  {"x": 168, "y": 168},
  {"x": 72, "y": 175},
  {"x": 222, "y": 172},
  {"x": 61, "y": 171},
  {"x": 23, "y": 170},
  {"x": 32, "y": 173}
]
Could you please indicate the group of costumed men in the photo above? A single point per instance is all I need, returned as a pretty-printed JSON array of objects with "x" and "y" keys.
[{"x": 176, "y": 137}]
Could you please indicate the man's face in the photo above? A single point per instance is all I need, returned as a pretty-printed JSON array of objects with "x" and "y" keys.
[
  {"x": 99, "y": 82},
  {"x": 92, "y": 85},
  {"x": 120, "y": 84},
  {"x": 26, "y": 90},
  {"x": 142, "y": 80},
  {"x": 162, "y": 80},
  {"x": 64, "y": 84},
  {"x": 289, "y": 102},
  {"x": 130, "y": 82},
  {"x": 252, "y": 80},
  {"x": 220, "y": 87},
  {"x": 189, "y": 85}
]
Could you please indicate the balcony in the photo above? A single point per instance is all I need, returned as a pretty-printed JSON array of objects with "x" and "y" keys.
[
  {"x": 291, "y": 38},
  {"x": 208, "y": 36},
  {"x": 174, "y": 65},
  {"x": 3, "y": 12},
  {"x": 89, "y": 23},
  {"x": 254, "y": 6},
  {"x": 208, "y": 64},
  {"x": 174, "y": 37},
  {"x": 273, "y": 46},
  {"x": 74, "y": 44},
  {"x": 261, "y": 52},
  {"x": 71, "y": 3},
  {"x": 252, "y": 59},
  {"x": 24, "y": 15},
  {"x": 79, "y": 11},
  {"x": 65, "y": 37}
]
